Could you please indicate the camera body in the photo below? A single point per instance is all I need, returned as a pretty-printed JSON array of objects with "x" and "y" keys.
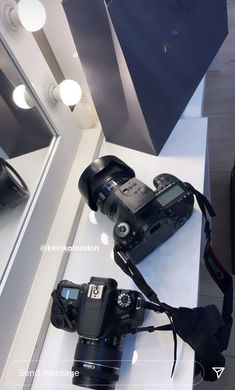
[
  {"x": 101, "y": 314},
  {"x": 143, "y": 218},
  {"x": 97, "y": 309},
  {"x": 147, "y": 218}
]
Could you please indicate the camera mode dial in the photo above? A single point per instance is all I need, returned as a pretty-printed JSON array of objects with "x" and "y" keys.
[
  {"x": 124, "y": 300},
  {"x": 122, "y": 229}
]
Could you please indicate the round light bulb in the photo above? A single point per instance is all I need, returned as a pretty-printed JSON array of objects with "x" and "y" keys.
[
  {"x": 70, "y": 92},
  {"x": 21, "y": 97},
  {"x": 29, "y": 14}
]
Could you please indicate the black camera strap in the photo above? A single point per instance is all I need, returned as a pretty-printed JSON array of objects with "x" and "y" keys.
[
  {"x": 131, "y": 270},
  {"x": 219, "y": 274},
  {"x": 203, "y": 328}
]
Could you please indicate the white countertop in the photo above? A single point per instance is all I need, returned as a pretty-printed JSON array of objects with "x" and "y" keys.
[
  {"x": 172, "y": 269},
  {"x": 30, "y": 167},
  {"x": 195, "y": 106}
]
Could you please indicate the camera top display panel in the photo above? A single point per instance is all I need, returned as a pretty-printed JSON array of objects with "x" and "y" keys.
[{"x": 168, "y": 196}]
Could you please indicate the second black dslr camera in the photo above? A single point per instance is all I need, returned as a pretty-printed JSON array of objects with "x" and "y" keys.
[
  {"x": 144, "y": 218},
  {"x": 101, "y": 314}
]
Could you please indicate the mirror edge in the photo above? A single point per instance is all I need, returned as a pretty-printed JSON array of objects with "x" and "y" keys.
[{"x": 26, "y": 255}]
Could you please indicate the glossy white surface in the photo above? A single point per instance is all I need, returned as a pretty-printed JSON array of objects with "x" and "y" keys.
[
  {"x": 30, "y": 166},
  {"x": 195, "y": 105},
  {"x": 172, "y": 269}
]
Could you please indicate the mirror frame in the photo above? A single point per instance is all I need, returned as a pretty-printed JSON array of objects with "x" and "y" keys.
[{"x": 26, "y": 254}]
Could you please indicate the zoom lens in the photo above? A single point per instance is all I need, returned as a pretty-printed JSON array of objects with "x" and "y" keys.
[
  {"x": 104, "y": 195},
  {"x": 97, "y": 362},
  {"x": 99, "y": 181}
]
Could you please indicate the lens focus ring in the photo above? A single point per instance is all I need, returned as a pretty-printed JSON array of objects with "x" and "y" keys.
[{"x": 97, "y": 362}]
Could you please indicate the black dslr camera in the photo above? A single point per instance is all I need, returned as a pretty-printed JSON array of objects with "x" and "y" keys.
[
  {"x": 143, "y": 218},
  {"x": 101, "y": 314}
]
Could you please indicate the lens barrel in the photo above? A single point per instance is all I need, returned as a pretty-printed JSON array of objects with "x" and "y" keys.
[
  {"x": 105, "y": 197},
  {"x": 97, "y": 362},
  {"x": 100, "y": 178}
]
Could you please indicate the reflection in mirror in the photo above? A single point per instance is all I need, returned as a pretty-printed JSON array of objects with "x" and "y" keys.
[{"x": 26, "y": 140}]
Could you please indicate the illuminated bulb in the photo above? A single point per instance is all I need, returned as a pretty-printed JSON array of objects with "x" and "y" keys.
[
  {"x": 68, "y": 92},
  {"x": 29, "y": 14},
  {"x": 22, "y": 98}
]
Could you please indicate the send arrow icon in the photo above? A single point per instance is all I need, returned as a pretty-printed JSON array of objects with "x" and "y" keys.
[{"x": 219, "y": 371}]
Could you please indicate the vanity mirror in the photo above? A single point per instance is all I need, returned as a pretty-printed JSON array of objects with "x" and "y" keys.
[
  {"x": 51, "y": 132},
  {"x": 39, "y": 138},
  {"x": 26, "y": 140}
]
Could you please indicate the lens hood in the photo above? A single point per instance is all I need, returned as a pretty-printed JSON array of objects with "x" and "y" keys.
[
  {"x": 13, "y": 189},
  {"x": 92, "y": 172}
]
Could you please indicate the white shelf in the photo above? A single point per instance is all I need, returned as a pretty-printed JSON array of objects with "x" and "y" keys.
[
  {"x": 172, "y": 269},
  {"x": 195, "y": 106}
]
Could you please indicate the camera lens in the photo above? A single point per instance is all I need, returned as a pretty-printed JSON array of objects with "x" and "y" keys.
[
  {"x": 97, "y": 362},
  {"x": 99, "y": 181},
  {"x": 13, "y": 189}
]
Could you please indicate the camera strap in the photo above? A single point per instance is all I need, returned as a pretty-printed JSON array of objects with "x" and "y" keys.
[
  {"x": 221, "y": 277},
  {"x": 131, "y": 270},
  {"x": 203, "y": 328}
]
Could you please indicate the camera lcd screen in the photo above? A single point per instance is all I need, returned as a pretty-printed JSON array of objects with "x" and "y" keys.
[
  {"x": 170, "y": 195},
  {"x": 69, "y": 293}
]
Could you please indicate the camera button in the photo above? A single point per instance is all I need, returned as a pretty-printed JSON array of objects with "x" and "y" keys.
[{"x": 144, "y": 190}]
